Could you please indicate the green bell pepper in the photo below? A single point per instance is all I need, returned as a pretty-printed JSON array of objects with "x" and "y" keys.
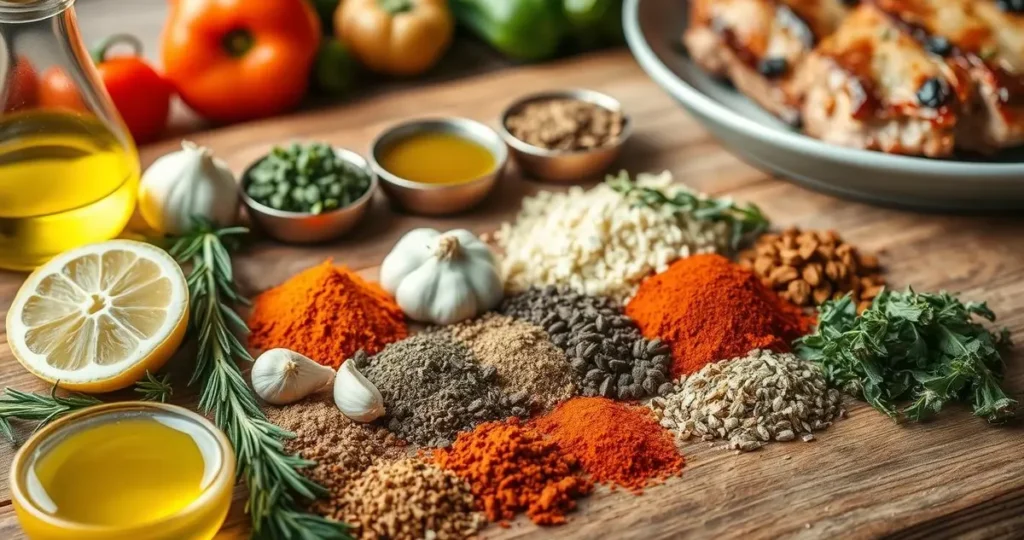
[
  {"x": 335, "y": 70},
  {"x": 532, "y": 30}
]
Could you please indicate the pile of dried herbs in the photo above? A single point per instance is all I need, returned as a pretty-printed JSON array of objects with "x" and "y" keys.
[{"x": 924, "y": 349}]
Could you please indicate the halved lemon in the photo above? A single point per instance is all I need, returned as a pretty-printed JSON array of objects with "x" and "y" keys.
[{"x": 97, "y": 317}]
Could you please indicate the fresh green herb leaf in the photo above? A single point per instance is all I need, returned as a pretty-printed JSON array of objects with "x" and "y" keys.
[
  {"x": 277, "y": 490},
  {"x": 41, "y": 408},
  {"x": 154, "y": 389},
  {"x": 918, "y": 348},
  {"x": 745, "y": 222}
]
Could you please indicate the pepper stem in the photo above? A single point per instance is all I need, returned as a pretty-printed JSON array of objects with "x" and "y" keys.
[
  {"x": 99, "y": 53},
  {"x": 394, "y": 7},
  {"x": 447, "y": 248}
]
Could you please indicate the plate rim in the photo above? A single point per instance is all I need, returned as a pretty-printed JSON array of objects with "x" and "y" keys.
[{"x": 692, "y": 97}]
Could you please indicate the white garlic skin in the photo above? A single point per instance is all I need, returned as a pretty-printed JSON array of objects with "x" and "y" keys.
[
  {"x": 357, "y": 397},
  {"x": 184, "y": 184},
  {"x": 283, "y": 376}
]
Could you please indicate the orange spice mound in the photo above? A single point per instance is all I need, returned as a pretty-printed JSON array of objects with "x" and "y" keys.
[
  {"x": 616, "y": 443},
  {"x": 511, "y": 468},
  {"x": 708, "y": 309},
  {"x": 327, "y": 313}
]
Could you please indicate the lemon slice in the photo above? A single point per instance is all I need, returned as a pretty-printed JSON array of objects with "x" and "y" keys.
[{"x": 97, "y": 317}]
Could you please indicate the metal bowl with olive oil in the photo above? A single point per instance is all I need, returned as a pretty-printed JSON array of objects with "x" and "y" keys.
[
  {"x": 305, "y": 227},
  {"x": 438, "y": 166}
]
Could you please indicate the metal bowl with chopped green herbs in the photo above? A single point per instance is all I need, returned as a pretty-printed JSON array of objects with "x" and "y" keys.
[{"x": 308, "y": 192}]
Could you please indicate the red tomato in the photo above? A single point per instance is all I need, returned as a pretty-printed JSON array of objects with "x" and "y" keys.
[
  {"x": 58, "y": 91},
  {"x": 22, "y": 87},
  {"x": 140, "y": 94}
]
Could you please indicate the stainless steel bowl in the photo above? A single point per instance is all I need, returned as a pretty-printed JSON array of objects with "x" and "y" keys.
[
  {"x": 439, "y": 199},
  {"x": 303, "y": 228},
  {"x": 561, "y": 165}
]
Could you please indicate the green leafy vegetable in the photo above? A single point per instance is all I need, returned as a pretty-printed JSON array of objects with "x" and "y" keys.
[
  {"x": 41, "y": 408},
  {"x": 745, "y": 222},
  {"x": 154, "y": 389},
  {"x": 277, "y": 490},
  {"x": 918, "y": 348}
]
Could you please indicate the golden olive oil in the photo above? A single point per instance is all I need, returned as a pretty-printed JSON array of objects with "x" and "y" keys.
[
  {"x": 437, "y": 158},
  {"x": 122, "y": 473},
  {"x": 65, "y": 181}
]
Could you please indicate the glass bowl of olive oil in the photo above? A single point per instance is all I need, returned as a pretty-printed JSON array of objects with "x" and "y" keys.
[{"x": 124, "y": 471}]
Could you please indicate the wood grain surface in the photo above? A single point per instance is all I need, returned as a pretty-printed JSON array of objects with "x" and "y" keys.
[{"x": 865, "y": 477}]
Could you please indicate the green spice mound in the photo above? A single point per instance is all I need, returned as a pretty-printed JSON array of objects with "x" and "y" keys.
[
  {"x": 433, "y": 389},
  {"x": 923, "y": 348}
]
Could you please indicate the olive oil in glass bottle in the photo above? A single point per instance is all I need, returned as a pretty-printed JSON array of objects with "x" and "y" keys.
[{"x": 68, "y": 168}]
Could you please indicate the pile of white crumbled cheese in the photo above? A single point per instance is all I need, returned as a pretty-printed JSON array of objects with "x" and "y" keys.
[{"x": 597, "y": 242}]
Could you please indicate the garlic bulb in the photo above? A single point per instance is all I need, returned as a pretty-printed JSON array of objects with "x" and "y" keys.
[
  {"x": 186, "y": 184},
  {"x": 282, "y": 376},
  {"x": 355, "y": 396},
  {"x": 442, "y": 278}
]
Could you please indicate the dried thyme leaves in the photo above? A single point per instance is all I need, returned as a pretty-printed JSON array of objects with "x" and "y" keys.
[
  {"x": 761, "y": 397},
  {"x": 919, "y": 347},
  {"x": 604, "y": 347}
]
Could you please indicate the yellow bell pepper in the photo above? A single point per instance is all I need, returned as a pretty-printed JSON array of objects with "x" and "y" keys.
[{"x": 395, "y": 37}]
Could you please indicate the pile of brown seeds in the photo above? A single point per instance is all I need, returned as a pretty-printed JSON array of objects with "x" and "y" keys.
[
  {"x": 433, "y": 389},
  {"x": 763, "y": 396},
  {"x": 565, "y": 124},
  {"x": 603, "y": 345},
  {"x": 525, "y": 358},
  {"x": 411, "y": 500},
  {"x": 341, "y": 448},
  {"x": 809, "y": 267}
]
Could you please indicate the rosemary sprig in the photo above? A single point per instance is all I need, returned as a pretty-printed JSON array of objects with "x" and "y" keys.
[
  {"x": 276, "y": 488},
  {"x": 745, "y": 222},
  {"x": 154, "y": 389},
  {"x": 41, "y": 408}
]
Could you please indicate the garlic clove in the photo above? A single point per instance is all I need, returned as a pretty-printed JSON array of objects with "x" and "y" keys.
[
  {"x": 282, "y": 376},
  {"x": 357, "y": 397}
]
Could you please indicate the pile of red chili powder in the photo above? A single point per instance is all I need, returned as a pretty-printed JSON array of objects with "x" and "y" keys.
[
  {"x": 616, "y": 443},
  {"x": 709, "y": 309},
  {"x": 511, "y": 468}
]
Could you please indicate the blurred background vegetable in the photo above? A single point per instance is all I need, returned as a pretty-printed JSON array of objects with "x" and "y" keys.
[
  {"x": 24, "y": 90},
  {"x": 140, "y": 94},
  {"x": 336, "y": 68},
  {"x": 395, "y": 37},
  {"x": 237, "y": 60}
]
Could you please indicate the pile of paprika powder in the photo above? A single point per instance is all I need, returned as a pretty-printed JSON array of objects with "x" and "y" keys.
[
  {"x": 709, "y": 309},
  {"x": 327, "y": 313},
  {"x": 615, "y": 443}
]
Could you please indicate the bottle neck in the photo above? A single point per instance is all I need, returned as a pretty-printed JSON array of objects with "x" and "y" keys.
[{"x": 24, "y": 11}]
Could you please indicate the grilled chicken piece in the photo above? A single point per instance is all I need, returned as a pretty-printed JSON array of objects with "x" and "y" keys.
[
  {"x": 976, "y": 36},
  {"x": 871, "y": 86},
  {"x": 757, "y": 43}
]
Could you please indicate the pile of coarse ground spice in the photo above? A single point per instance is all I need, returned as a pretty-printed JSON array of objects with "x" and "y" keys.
[
  {"x": 342, "y": 449},
  {"x": 525, "y": 358},
  {"x": 604, "y": 347},
  {"x": 433, "y": 389},
  {"x": 411, "y": 500},
  {"x": 615, "y": 442},
  {"x": 598, "y": 242},
  {"x": 512, "y": 468},
  {"x": 327, "y": 313},
  {"x": 709, "y": 309},
  {"x": 763, "y": 396}
]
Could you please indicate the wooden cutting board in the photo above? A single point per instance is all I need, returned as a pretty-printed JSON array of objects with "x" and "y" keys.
[{"x": 864, "y": 477}]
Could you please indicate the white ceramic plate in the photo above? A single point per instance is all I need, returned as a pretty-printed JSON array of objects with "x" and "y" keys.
[{"x": 653, "y": 31}]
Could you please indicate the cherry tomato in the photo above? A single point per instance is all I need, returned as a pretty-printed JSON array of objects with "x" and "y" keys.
[
  {"x": 58, "y": 91},
  {"x": 140, "y": 94},
  {"x": 22, "y": 88}
]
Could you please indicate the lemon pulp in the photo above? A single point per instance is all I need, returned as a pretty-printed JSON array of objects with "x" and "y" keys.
[{"x": 124, "y": 472}]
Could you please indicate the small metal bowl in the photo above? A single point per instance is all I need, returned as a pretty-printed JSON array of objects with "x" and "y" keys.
[
  {"x": 560, "y": 165},
  {"x": 439, "y": 199},
  {"x": 303, "y": 228}
]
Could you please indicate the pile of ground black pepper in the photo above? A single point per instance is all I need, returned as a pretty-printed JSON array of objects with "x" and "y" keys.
[
  {"x": 525, "y": 358},
  {"x": 433, "y": 389},
  {"x": 603, "y": 345}
]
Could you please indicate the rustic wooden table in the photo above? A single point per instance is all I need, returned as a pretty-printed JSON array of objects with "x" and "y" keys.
[{"x": 864, "y": 477}]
